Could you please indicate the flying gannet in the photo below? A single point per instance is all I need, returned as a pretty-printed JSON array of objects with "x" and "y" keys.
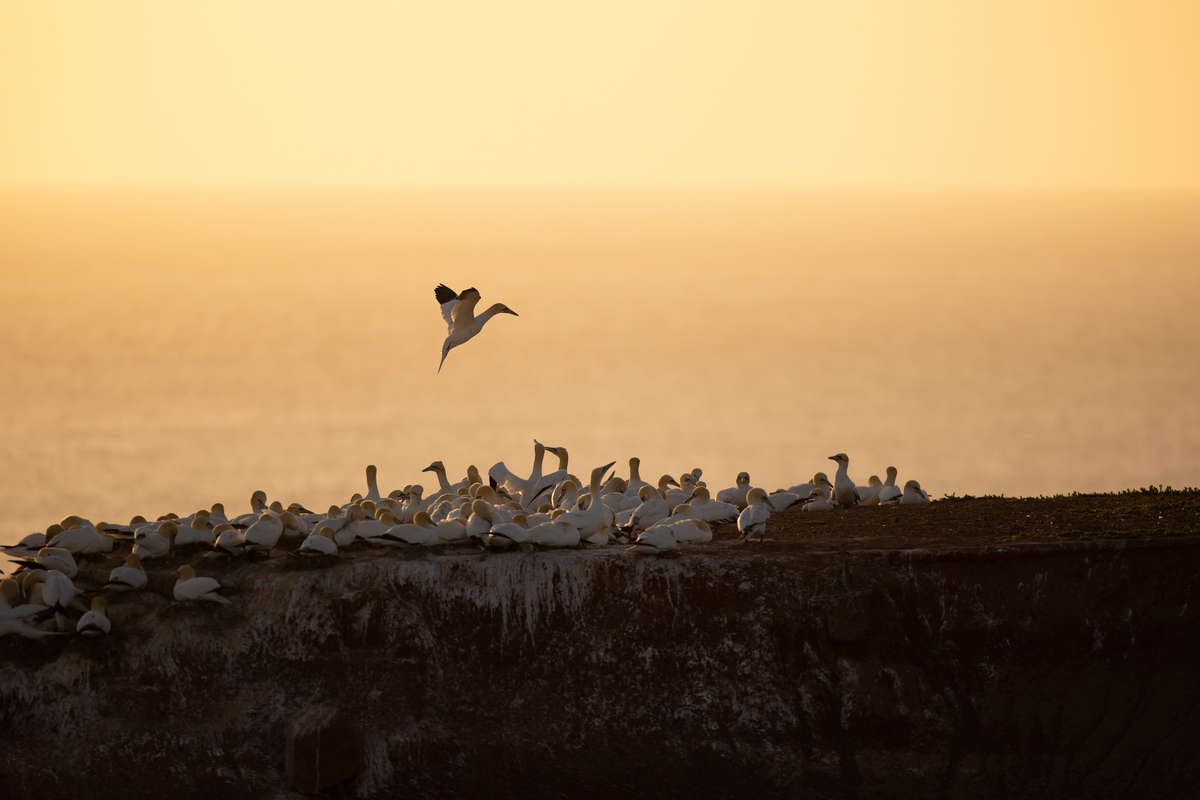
[{"x": 459, "y": 312}]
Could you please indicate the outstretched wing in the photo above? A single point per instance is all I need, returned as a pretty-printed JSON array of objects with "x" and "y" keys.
[
  {"x": 446, "y": 299},
  {"x": 463, "y": 313}
]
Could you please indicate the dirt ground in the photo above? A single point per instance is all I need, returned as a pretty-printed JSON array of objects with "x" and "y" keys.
[{"x": 975, "y": 521}]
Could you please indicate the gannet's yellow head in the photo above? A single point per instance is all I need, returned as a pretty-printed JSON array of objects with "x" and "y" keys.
[
  {"x": 55, "y": 530},
  {"x": 70, "y": 522},
  {"x": 134, "y": 561},
  {"x": 423, "y": 519},
  {"x": 277, "y": 507},
  {"x": 186, "y": 573},
  {"x": 436, "y": 466},
  {"x": 743, "y": 479},
  {"x": 482, "y": 509},
  {"x": 326, "y": 531},
  {"x": 98, "y": 604},
  {"x": 756, "y": 496},
  {"x": 10, "y": 589},
  {"x": 645, "y": 493},
  {"x": 258, "y": 500},
  {"x": 168, "y": 529}
]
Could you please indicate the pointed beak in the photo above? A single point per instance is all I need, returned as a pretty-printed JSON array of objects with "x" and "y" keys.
[
  {"x": 430, "y": 468},
  {"x": 510, "y": 311},
  {"x": 833, "y": 458}
]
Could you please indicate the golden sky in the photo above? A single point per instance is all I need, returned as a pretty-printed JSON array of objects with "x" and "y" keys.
[{"x": 883, "y": 94}]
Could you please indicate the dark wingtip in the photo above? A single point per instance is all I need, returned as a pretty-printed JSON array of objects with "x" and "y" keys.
[{"x": 444, "y": 293}]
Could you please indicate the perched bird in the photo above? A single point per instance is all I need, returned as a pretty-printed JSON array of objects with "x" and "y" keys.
[
  {"x": 913, "y": 493},
  {"x": 844, "y": 490},
  {"x": 869, "y": 495},
  {"x": 890, "y": 493},
  {"x": 557, "y": 533},
  {"x": 128, "y": 577},
  {"x": 94, "y": 622},
  {"x": 818, "y": 501},
  {"x": 459, "y": 312},
  {"x": 320, "y": 543},
  {"x": 189, "y": 587},
  {"x": 712, "y": 511},
  {"x": 736, "y": 495},
  {"x": 753, "y": 519},
  {"x": 658, "y": 539}
]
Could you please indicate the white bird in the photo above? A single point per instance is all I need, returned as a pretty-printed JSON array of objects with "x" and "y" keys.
[
  {"x": 844, "y": 490},
  {"x": 53, "y": 559},
  {"x": 258, "y": 504},
  {"x": 264, "y": 534},
  {"x": 513, "y": 482},
  {"x": 127, "y": 577},
  {"x": 94, "y": 622},
  {"x": 420, "y": 532},
  {"x": 652, "y": 509},
  {"x": 687, "y": 482},
  {"x": 372, "y": 485},
  {"x": 10, "y": 593},
  {"x": 819, "y": 481},
  {"x": 82, "y": 539},
  {"x": 753, "y": 519},
  {"x": 479, "y": 524},
  {"x": 27, "y": 547},
  {"x": 890, "y": 494},
  {"x": 869, "y": 495},
  {"x": 688, "y": 530},
  {"x": 594, "y": 521},
  {"x": 509, "y": 533},
  {"x": 635, "y": 479},
  {"x": 818, "y": 501},
  {"x": 229, "y": 539},
  {"x": 459, "y": 312},
  {"x": 913, "y": 493},
  {"x": 345, "y": 534},
  {"x": 320, "y": 543},
  {"x": 658, "y": 539},
  {"x": 557, "y": 533},
  {"x": 58, "y": 592},
  {"x": 736, "y": 495},
  {"x": 189, "y": 587},
  {"x": 711, "y": 511},
  {"x": 782, "y": 501},
  {"x": 452, "y": 531},
  {"x": 196, "y": 533}
]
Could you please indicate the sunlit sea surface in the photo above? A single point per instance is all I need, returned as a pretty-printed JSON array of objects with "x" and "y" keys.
[{"x": 164, "y": 350}]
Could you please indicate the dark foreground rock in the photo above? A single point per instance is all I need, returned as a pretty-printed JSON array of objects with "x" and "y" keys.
[{"x": 1033, "y": 670}]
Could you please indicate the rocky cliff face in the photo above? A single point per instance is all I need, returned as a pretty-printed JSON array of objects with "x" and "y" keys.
[{"x": 725, "y": 670}]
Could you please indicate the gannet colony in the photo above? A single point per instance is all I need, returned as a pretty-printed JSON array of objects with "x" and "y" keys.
[
  {"x": 553, "y": 510},
  {"x": 540, "y": 511}
]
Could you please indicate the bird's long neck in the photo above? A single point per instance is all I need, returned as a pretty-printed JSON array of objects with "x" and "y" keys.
[
  {"x": 538, "y": 455},
  {"x": 480, "y": 319},
  {"x": 442, "y": 482},
  {"x": 634, "y": 475}
]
